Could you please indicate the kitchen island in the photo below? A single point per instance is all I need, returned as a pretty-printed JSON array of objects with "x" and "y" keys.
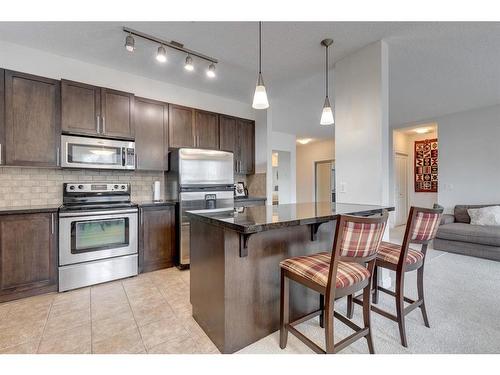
[{"x": 235, "y": 256}]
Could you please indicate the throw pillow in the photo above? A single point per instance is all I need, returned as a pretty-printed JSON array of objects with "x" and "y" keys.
[{"x": 485, "y": 215}]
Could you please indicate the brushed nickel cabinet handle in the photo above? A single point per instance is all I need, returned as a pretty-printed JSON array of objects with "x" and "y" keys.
[
  {"x": 97, "y": 123},
  {"x": 103, "y": 124},
  {"x": 58, "y": 157},
  {"x": 52, "y": 223}
]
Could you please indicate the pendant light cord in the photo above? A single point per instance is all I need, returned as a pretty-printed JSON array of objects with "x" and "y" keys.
[
  {"x": 326, "y": 69},
  {"x": 260, "y": 47}
]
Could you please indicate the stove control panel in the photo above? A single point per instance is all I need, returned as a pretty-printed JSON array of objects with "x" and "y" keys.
[{"x": 96, "y": 187}]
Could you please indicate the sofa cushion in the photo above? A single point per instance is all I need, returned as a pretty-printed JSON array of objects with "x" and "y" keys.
[
  {"x": 485, "y": 215},
  {"x": 461, "y": 214},
  {"x": 481, "y": 234}
]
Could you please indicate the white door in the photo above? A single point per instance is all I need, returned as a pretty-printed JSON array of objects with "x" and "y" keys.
[{"x": 401, "y": 187}]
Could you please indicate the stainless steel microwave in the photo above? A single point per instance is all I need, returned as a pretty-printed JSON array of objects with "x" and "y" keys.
[{"x": 96, "y": 153}]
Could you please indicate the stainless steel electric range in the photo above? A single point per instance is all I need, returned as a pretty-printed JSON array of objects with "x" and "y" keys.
[{"x": 97, "y": 234}]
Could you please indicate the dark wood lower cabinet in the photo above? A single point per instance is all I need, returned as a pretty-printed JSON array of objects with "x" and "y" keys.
[
  {"x": 28, "y": 255},
  {"x": 157, "y": 238}
]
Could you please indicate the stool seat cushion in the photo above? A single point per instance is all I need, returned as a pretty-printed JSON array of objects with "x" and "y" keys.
[
  {"x": 390, "y": 252},
  {"x": 316, "y": 267}
]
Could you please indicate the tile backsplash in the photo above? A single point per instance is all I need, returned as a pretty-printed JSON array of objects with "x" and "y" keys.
[{"x": 43, "y": 186}]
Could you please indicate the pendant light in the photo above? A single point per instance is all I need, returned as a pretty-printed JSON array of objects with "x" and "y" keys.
[
  {"x": 260, "y": 97},
  {"x": 327, "y": 114}
]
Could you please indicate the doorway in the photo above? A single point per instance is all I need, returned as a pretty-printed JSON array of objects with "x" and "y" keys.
[
  {"x": 281, "y": 163},
  {"x": 401, "y": 187},
  {"x": 324, "y": 172}
]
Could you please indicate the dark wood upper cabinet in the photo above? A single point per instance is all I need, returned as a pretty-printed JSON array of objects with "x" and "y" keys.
[
  {"x": 2, "y": 116},
  {"x": 97, "y": 111},
  {"x": 246, "y": 142},
  {"x": 117, "y": 114},
  {"x": 181, "y": 126},
  {"x": 157, "y": 238},
  {"x": 32, "y": 120},
  {"x": 28, "y": 255},
  {"x": 238, "y": 136},
  {"x": 151, "y": 139},
  {"x": 80, "y": 108},
  {"x": 206, "y": 130}
]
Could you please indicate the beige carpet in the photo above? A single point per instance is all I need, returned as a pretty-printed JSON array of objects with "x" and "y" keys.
[{"x": 463, "y": 304}]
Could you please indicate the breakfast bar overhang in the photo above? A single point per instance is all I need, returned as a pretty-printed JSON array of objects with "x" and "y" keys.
[{"x": 235, "y": 256}]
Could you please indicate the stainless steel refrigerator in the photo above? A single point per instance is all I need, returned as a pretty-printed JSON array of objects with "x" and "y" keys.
[{"x": 200, "y": 180}]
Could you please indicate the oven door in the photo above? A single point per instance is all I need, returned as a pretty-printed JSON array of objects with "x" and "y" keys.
[
  {"x": 83, "y": 152},
  {"x": 85, "y": 236}
]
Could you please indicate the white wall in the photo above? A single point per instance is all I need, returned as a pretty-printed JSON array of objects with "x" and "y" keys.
[
  {"x": 286, "y": 142},
  {"x": 361, "y": 129},
  {"x": 49, "y": 65},
  {"x": 306, "y": 156},
  {"x": 469, "y": 157}
]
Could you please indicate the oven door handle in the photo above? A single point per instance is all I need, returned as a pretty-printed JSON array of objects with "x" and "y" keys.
[
  {"x": 123, "y": 156},
  {"x": 96, "y": 213}
]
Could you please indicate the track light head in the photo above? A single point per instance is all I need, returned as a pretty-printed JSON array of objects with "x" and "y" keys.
[
  {"x": 189, "y": 64},
  {"x": 130, "y": 43},
  {"x": 161, "y": 54},
  {"x": 211, "y": 71}
]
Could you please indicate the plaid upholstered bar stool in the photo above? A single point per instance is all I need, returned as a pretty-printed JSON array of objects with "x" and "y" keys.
[
  {"x": 347, "y": 270},
  {"x": 420, "y": 229}
]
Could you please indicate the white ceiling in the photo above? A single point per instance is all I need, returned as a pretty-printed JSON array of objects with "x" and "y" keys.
[{"x": 435, "y": 68}]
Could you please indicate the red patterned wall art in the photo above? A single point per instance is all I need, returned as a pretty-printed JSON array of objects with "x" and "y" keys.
[{"x": 426, "y": 166}]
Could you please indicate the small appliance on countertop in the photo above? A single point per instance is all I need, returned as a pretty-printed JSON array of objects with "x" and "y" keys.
[{"x": 97, "y": 234}]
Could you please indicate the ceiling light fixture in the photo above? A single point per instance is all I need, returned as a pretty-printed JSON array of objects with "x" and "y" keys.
[
  {"x": 421, "y": 130},
  {"x": 211, "y": 71},
  {"x": 130, "y": 43},
  {"x": 260, "y": 97},
  {"x": 327, "y": 114},
  {"x": 189, "y": 64},
  {"x": 161, "y": 54},
  {"x": 304, "y": 141}
]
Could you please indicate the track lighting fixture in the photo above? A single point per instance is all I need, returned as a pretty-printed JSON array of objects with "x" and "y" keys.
[
  {"x": 130, "y": 43},
  {"x": 161, "y": 54},
  {"x": 211, "y": 71},
  {"x": 189, "y": 64}
]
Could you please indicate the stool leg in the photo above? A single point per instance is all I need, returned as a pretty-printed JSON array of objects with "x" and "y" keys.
[
  {"x": 329, "y": 328},
  {"x": 400, "y": 307},
  {"x": 350, "y": 306},
  {"x": 284, "y": 309},
  {"x": 420, "y": 287},
  {"x": 322, "y": 308},
  {"x": 366, "y": 317},
  {"x": 375, "y": 285}
]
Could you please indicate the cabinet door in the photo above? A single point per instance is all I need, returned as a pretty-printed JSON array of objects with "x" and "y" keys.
[
  {"x": 80, "y": 108},
  {"x": 247, "y": 146},
  {"x": 206, "y": 130},
  {"x": 2, "y": 117},
  {"x": 117, "y": 114},
  {"x": 151, "y": 140},
  {"x": 32, "y": 120},
  {"x": 157, "y": 245},
  {"x": 228, "y": 136},
  {"x": 181, "y": 126},
  {"x": 28, "y": 255}
]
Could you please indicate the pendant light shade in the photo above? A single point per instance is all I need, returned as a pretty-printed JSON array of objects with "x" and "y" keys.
[
  {"x": 260, "y": 97},
  {"x": 327, "y": 113}
]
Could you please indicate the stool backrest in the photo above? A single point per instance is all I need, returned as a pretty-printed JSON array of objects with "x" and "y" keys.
[{"x": 423, "y": 224}]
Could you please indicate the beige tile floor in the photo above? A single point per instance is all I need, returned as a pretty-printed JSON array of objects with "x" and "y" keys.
[{"x": 149, "y": 313}]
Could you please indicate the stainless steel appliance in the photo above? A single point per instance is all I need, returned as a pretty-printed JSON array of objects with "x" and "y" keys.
[
  {"x": 97, "y": 234},
  {"x": 96, "y": 153},
  {"x": 199, "y": 179}
]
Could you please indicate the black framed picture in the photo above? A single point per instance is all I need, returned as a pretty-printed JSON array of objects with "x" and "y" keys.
[{"x": 240, "y": 189}]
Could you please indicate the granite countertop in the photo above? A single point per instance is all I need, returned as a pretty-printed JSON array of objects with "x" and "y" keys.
[
  {"x": 151, "y": 203},
  {"x": 250, "y": 198},
  {"x": 261, "y": 218},
  {"x": 11, "y": 210}
]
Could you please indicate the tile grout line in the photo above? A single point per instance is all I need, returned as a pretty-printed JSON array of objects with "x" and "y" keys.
[
  {"x": 133, "y": 315},
  {"x": 45, "y": 326}
]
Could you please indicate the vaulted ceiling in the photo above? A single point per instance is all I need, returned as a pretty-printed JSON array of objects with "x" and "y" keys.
[{"x": 435, "y": 68}]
